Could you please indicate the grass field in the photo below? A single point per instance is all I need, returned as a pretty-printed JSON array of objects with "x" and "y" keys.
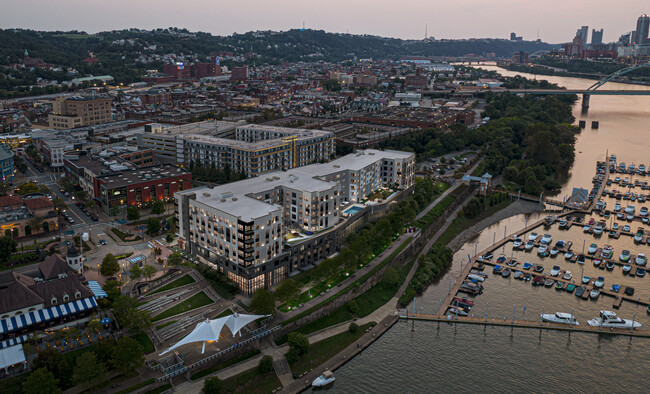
[
  {"x": 251, "y": 382},
  {"x": 166, "y": 324},
  {"x": 194, "y": 302},
  {"x": 182, "y": 281},
  {"x": 144, "y": 341},
  {"x": 225, "y": 364},
  {"x": 461, "y": 223}
]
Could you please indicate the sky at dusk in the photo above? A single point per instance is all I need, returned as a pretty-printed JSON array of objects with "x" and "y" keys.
[{"x": 557, "y": 20}]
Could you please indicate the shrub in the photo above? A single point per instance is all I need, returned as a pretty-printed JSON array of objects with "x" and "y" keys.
[
  {"x": 266, "y": 364},
  {"x": 353, "y": 328}
]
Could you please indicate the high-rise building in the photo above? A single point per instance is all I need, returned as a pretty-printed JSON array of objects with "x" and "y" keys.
[
  {"x": 596, "y": 37},
  {"x": 642, "y": 24},
  {"x": 79, "y": 111},
  {"x": 624, "y": 39},
  {"x": 583, "y": 32}
]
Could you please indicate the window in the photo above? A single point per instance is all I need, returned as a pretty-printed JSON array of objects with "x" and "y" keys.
[
  {"x": 66, "y": 298},
  {"x": 77, "y": 294},
  {"x": 53, "y": 301}
]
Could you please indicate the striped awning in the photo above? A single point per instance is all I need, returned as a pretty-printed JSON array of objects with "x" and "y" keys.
[
  {"x": 21, "y": 321},
  {"x": 13, "y": 341},
  {"x": 97, "y": 290}
]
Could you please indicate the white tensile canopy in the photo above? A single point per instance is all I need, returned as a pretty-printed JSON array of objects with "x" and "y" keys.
[
  {"x": 209, "y": 330},
  {"x": 11, "y": 356}
]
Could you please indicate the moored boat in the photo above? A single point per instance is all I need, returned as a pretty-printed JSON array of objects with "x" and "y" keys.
[
  {"x": 570, "y": 288},
  {"x": 594, "y": 293},
  {"x": 549, "y": 282},
  {"x": 567, "y": 275},
  {"x": 559, "y": 317},
  {"x": 610, "y": 265},
  {"x": 586, "y": 279},
  {"x": 323, "y": 380},
  {"x": 627, "y": 268},
  {"x": 579, "y": 291},
  {"x": 506, "y": 272},
  {"x": 609, "y": 319},
  {"x": 600, "y": 282}
]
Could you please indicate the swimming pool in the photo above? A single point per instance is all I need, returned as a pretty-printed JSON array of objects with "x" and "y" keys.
[{"x": 353, "y": 209}]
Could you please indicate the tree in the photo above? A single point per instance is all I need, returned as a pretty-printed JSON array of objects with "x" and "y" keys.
[
  {"x": 115, "y": 211},
  {"x": 391, "y": 277},
  {"x": 353, "y": 328},
  {"x": 41, "y": 381},
  {"x": 153, "y": 226},
  {"x": 54, "y": 362},
  {"x": 127, "y": 355},
  {"x": 175, "y": 259},
  {"x": 298, "y": 346},
  {"x": 104, "y": 349},
  {"x": 353, "y": 307},
  {"x": 133, "y": 213},
  {"x": 212, "y": 385},
  {"x": 88, "y": 368},
  {"x": 109, "y": 266},
  {"x": 266, "y": 364},
  {"x": 7, "y": 248},
  {"x": 263, "y": 302},
  {"x": 157, "y": 207},
  {"x": 127, "y": 313},
  {"x": 94, "y": 325},
  {"x": 135, "y": 272},
  {"x": 287, "y": 290},
  {"x": 149, "y": 271},
  {"x": 59, "y": 203}
]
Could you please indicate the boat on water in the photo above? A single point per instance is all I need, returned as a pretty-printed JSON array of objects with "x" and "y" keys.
[
  {"x": 563, "y": 223},
  {"x": 624, "y": 256},
  {"x": 615, "y": 288},
  {"x": 519, "y": 274},
  {"x": 512, "y": 263},
  {"x": 612, "y": 234},
  {"x": 586, "y": 279},
  {"x": 641, "y": 259},
  {"x": 464, "y": 300},
  {"x": 472, "y": 288},
  {"x": 607, "y": 252},
  {"x": 457, "y": 311},
  {"x": 546, "y": 239},
  {"x": 501, "y": 259},
  {"x": 592, "y": 249},
  {"x": 559, "y": 317},
  {"x": 598, "y": 229},
  {"x": 542, "y": 250},
  {"x": 538, "y": 280},
  {"x": 529, "y": 246},
  {"x": 528, "y": 276},
  {"x": 579, "y": 291},
  {"x": 610, "y": 266},
  {"x": 554, "y": 252},
  {"x": 555, "y": 271},
  {"x": 549, "y": 282},
  {"x": 527, "y": 265},
  {"x": 559, "y": 285},
  {"x": 594, "y": 293},
  {"x": 629, "y": 291},
  {"x": 478, "y": 278},
  {"x": 560, "y": 244},
  {"x": 324, "y": 379},
  {"x": 568, "y": 255},
  {"x": 600, "y": 282},
  {"x": 640, "y": 272},
  {"x": 627, "y": 268},
  {"x": 539, "y": 268},
  {"x": 581, "y": 259},
  {"x": 597, "y": 262},
  {"x": 497, "y": 269},
  {"x": 570, "y": 288},
  {"x": 609, "y": 319},
  {"x": 461, "y": 305},
  {"x": 615, "y": 226},
  {"x": 506, "y": 272},
  {"x": 586, "y": 228},
  {"x": 567, "y": 275},
  {"x": 533, "y": 236},
  {"x": 517, "y": 243},
  {"x": 638, "y": 237}
]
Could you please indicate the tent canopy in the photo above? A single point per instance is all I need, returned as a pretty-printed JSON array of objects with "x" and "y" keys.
[
  {"x": 209, "y": 330},
  {"x": 11, "y": 356}
]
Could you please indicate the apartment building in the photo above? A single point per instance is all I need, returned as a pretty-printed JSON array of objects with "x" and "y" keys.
[
  {"x": 239, "y": 228},
  {"x": 79, "y": 111}
]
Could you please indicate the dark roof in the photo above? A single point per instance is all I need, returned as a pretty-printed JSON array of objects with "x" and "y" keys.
[
  {"x": 6, "y": 201},
  {"x": 54, "y": 265},
  {"x": 37, "y": 203},
  {"x": 72, "y": 251},
  {"x": 15, "y": 292},
  {"x": 61, "y": 287}
]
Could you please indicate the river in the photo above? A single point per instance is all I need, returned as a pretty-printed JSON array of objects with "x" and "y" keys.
[{"x": 431, "y": 357}]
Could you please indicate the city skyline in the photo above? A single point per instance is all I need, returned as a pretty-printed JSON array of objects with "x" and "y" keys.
[{"x": 555, "y": 20}]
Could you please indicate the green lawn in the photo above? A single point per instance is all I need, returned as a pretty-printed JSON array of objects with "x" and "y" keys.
[
  {"x": 166, "y": 324},
  {"x": 122, "y": 235},
  {"x": 251, "y": 382},
  {"x": 435, "y": 212},
  {"x": 144, "y": 341},
  {"x": 322, "y": 351},
  {"x": 225, "y": 313},
  {"x": 137, "y": 386},
  {"x": 225, "y": 364},
  {"x": 461, "y": 223},
  {"x": 182, "y": 281},
  {"x": 196, "y": 301}
]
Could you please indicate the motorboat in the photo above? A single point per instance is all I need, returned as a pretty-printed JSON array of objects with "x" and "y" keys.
[
  {"x": 516, "y": 244},
  {"x": 563, "y": 223},
  {"x": 497, "y": 269},
  {"x": 579, "y": 291},
  {"x": 546, "y": 239},
  {"x": 461, "y": 305},
  {"x": 501, "y": 259},
  {"x": 559, "y": 285},
  {"x": 512, "y": 263},
  {"x": 617, "y": 207},
  {"x": 457, "y": 311},
  {"x": 627, "y": 268},
  {"x": 608, "y": 319},
  {"x": 542, "y": 250},
  {"x": 568, "y": 255},
  {"x": 592, "y": 249},
  {"x": 597, "y": 262},
  {"x": 528, "y": 276},
  {"x": 478, "y": 278},
  {"x": 533, "y": 236},
  {"x": 581, "y": 259},
  {"x": 586, "y": 280},
  {"x": 555, "y": 271},
  {"x": 560, "y": 244},
  {"x": 615, "y": 288},
  {"x": 519, "y": 274},
  {"x": 570, "y": 288},
  {"x": 607, "y": 252},
  {"x": 629, "y": 217},
  {"x": 559, "y": 317},
  {"x": 529, "y": 245},
  {"x": 626, "y": 229},
  {"x": 638, "y": 237},
  {"x": 539, "y": 268},
  {"x": 610, "y": 266},
  {"x": 615, "y": 226},
  {"x": 624, "y": 256},
  {"x": 598, "y": 229},
  {"x": 464, "y": 300},
  {"x": 567, "y": 275},
  {"x": 549, "y": 282},
  {"x": 641, "y": 259},
  {"x": 586, "y": 228},
  {"x": 527, "y": 265},
  {"x": 640, "y": 272},
  {"x": 506, "y": 272},
  {"x": 594, "y": 293},
  {"x": 629, "y": 291},
  {"x": 644, "y": 211},
  {"x": 470, "y": 287},
  {"x": 324, "y": 379},
  {"x": 630, "y": 209},
  {"x": 554, "y": 252},
  {"x": 600, "y": 282}
]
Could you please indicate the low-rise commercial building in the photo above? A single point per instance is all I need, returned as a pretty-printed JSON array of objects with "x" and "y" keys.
[
  {"x": 22, "y": 217},
  {"x": 6, "y": 164},
  {"x": 239, "y": 228},
  {"x": 79, "y": 111}
]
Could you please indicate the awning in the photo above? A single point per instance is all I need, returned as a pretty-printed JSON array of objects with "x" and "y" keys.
[
  {"x": 11, "y": 356},
  {"x": 42, "y": 315},
  {"x": 97, "y": 289},
  {"x": 13, "y": 341}
]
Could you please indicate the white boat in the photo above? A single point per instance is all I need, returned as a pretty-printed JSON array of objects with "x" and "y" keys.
[
  {"x": 592, "y": 249},
  {"x": 554, "y": 252},
  {"x": 567, "y": 275},
  {"x": 555, "y": 271},
  {"x": 559, "y": 317},
  {"x": 533, "y": 236},
  {"x": 607, "y": 252},
  {"x": 609, "y": 319},
  {"x": 479, "y": 278},
  {"x": 517, "y": 243},
  {"x": 568, "y": 255},
  {"x": 529, "y": 245},
  {"x": 546, "y": 239},
  {"x": 598, "y": 229},
  {"x": 542, "y": 250},
  {"x": 630, "y": 209},
  {"x": 627, "y": 268},
  {"x": 585, "y": 280},
  {"x": 457, "y": 311},
  {"x": 615, "y": 226},
  {"x": 326, "y": 378},
  {"x": 594, "y": 293},
  {"x": 643, "y": 212},
  {"x": 625, "y": 256},
  {"x": 638, "y": 237},
  {"x": 641, "y": 259},
  {"x": 600, "y": 282},
  {"x": 617, "y": 207}
]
